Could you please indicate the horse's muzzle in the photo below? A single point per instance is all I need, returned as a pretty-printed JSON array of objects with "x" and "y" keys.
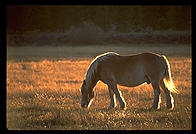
[{"x": 83, "y": 105}]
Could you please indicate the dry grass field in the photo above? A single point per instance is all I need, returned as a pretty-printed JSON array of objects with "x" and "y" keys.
[{"x": 43, "y": 91}]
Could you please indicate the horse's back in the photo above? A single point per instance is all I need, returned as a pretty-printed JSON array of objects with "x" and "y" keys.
[{"x": 122, "y": 61}]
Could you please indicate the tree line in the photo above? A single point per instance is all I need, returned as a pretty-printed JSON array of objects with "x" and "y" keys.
[{"x": 118, "y": 18}]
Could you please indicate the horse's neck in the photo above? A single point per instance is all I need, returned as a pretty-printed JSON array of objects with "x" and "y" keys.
[{"x": 92, "y": 83}]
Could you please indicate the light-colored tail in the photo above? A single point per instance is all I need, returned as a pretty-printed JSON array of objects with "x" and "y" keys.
[{"x": 167, "y": 79}]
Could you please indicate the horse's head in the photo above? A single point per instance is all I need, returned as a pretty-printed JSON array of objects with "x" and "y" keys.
[{"x": 87, "y": 95}]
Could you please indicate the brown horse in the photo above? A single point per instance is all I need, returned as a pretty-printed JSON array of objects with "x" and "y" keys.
[{"x": 132, "y": 70}]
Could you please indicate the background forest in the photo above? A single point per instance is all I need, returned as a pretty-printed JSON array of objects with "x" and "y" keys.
[{"x": 60, "y": 25}]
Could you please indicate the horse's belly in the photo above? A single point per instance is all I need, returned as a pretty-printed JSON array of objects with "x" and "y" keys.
[
  {"x": 132, "y": 80},
  {"x": 131, "y": 83}
]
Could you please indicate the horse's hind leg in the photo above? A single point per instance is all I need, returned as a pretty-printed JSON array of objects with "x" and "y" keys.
[
  {"x": 112, "y": 98},
  {"x": 118, "y": 95},
  {"x": 157, "y": 97},
  {"x": 169, "y": 98}
]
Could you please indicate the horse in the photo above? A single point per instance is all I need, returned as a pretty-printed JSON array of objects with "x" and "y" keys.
[{"x": 130, "y": 71}]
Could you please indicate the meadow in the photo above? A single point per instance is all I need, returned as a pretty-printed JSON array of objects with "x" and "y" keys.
[{"x": 43, "y": 91}]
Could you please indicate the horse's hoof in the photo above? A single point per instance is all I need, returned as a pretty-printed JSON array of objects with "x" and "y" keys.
[
  {"x": 154, "y": 109},
  {"x": 170, "y": 108},
  {"x": 123, "y": 108},
  {"x": 111, "y": 107}
]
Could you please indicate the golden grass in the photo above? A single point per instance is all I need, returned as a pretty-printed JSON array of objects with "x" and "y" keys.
[{"x": 46, "y": 95}]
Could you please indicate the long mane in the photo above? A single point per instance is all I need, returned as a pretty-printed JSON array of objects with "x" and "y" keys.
[{"x": 93, "y": 68}]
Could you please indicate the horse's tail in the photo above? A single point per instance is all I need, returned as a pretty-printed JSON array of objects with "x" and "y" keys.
[{"x": 167, "y": 79}]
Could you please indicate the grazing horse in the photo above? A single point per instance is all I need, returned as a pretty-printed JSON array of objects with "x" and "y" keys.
[{"x": 130, "y": 71}]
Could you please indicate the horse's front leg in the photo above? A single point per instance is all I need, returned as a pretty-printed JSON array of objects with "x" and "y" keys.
[
  {"x": 112, "y": 98},
  {"x": 118, "y": 95}
]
